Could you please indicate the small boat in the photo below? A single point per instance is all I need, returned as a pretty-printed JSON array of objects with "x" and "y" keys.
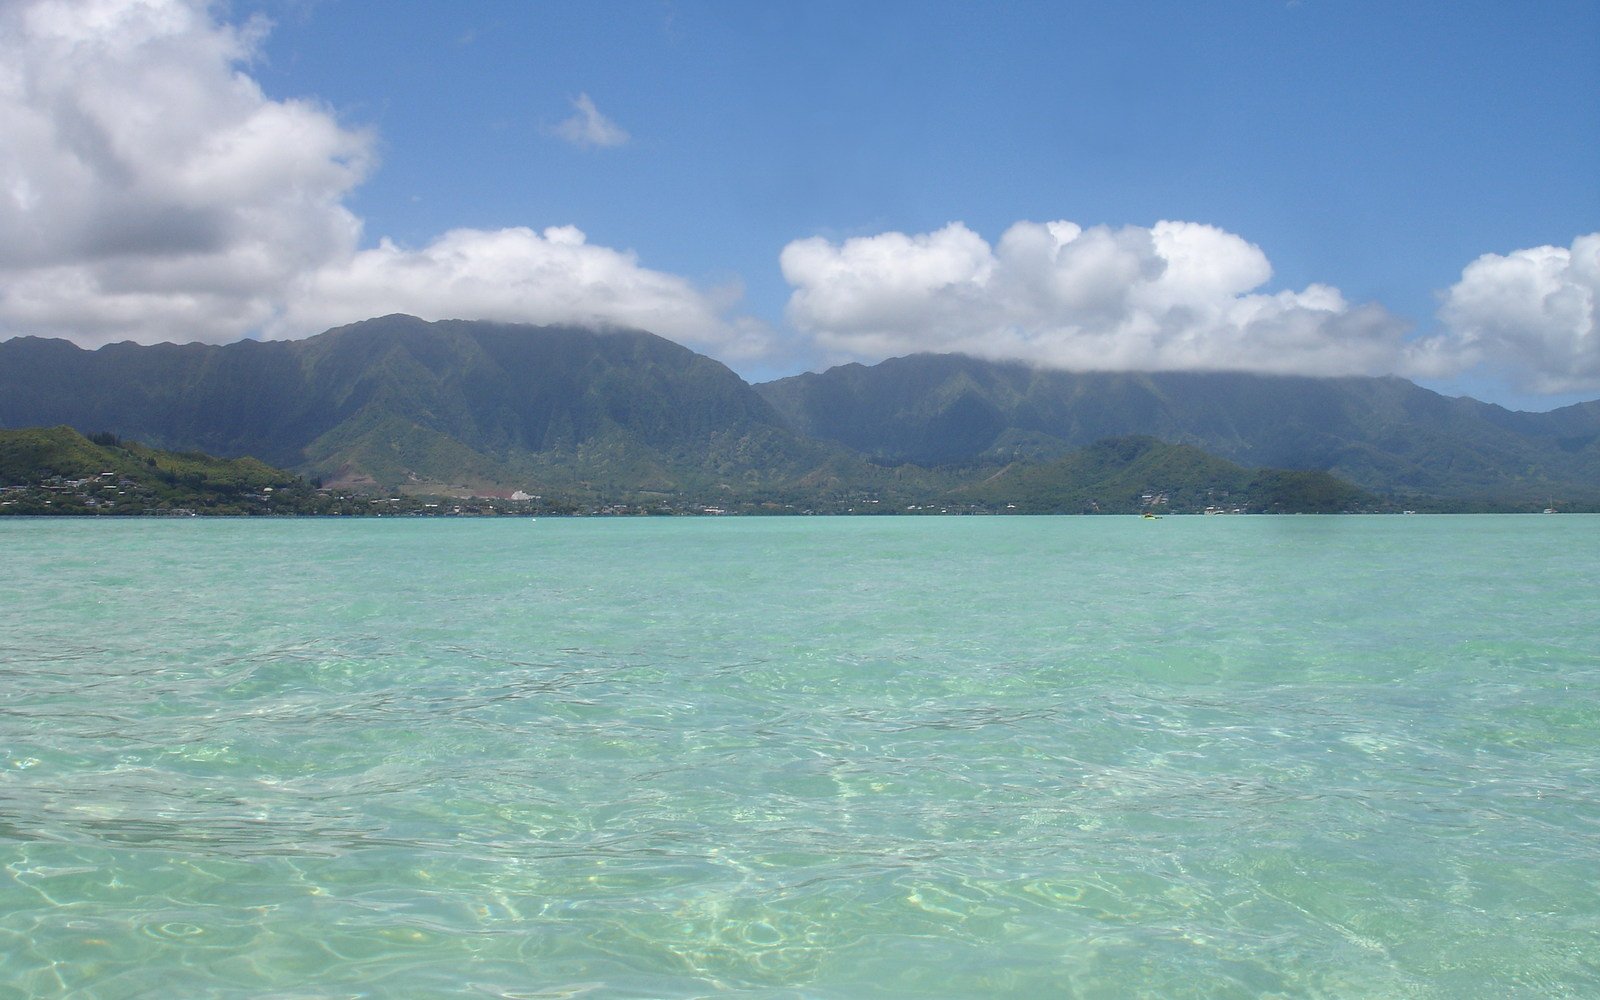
[{"x": 1150, "y": 517}]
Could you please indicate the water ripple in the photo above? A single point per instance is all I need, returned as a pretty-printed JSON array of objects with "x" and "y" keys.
[{"x": 806, "y": 760}]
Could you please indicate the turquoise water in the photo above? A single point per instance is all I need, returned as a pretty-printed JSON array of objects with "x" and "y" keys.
[{"x": 801, "y": 758}]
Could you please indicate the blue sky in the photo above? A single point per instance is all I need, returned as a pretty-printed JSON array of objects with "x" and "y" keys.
[{"x": 780, "y": 180}]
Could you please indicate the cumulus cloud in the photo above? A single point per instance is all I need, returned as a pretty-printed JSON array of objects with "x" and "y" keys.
[
  {"x": 147, "y": 187},
  {"x": 150, "y": 191},
  {"x": 518, "y": 275},
  {"x": 589, "y": 127},
  {"x": 1530, "y": 315},
  {"x": 1177, "y": 295}
]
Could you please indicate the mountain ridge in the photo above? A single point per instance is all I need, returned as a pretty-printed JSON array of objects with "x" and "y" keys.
[{"x": 399, "y": 401}]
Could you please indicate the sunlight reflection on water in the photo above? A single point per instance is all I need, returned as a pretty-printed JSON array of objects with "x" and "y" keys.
[{"x": 801, "y": 758}]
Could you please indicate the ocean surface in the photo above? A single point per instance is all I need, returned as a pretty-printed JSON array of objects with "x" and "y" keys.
[{"x": 801, "y": 757}]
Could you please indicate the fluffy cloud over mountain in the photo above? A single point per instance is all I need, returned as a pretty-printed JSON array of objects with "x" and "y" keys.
[
  {"x": 150, "y": 191},
  {"x": 1532, "y": 314},
  {"x": 516, "y": 275},
  {"x": 1176, "y": 295}
]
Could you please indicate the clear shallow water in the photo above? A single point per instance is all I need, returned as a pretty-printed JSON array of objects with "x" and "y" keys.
[{"x": 829, "y": 758}]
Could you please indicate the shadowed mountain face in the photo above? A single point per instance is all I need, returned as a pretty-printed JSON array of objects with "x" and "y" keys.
[
  {"x": 397, "y": 400},
  {"x": 1386, "y": 434}
]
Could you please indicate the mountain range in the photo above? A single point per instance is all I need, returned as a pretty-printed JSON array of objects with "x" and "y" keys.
[
  {"x": 1386, "y": 434},
  {"x": 477, "y": 407}
]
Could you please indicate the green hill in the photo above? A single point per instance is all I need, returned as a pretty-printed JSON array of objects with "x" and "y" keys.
[
  {"x": 1134, "y": 474},
  {"x": 59, "y": 471}
]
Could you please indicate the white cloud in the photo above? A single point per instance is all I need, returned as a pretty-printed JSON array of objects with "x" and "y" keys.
[
  {"x": 518, "y": 275},
  {"x": 150, "y": 191},
  {"x": 1530, "y": 315},
  {"x": 1178, "y": 295},
  {"x": 147, "y": 188},
  {"x": 589, "y": 127}
]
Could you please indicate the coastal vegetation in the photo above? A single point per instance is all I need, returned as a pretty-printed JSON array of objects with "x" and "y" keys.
[
  {"x": 58, "y": 471},
  {"x": 1139, "y": 474}
]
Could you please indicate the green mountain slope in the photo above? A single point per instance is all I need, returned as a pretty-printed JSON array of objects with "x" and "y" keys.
[
  {"x": 59, "y": 471},
  {"x": 1134, "y": 474}
]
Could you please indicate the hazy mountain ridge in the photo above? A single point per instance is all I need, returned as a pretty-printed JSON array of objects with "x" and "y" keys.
[{"x": 1384, "y": 434}]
